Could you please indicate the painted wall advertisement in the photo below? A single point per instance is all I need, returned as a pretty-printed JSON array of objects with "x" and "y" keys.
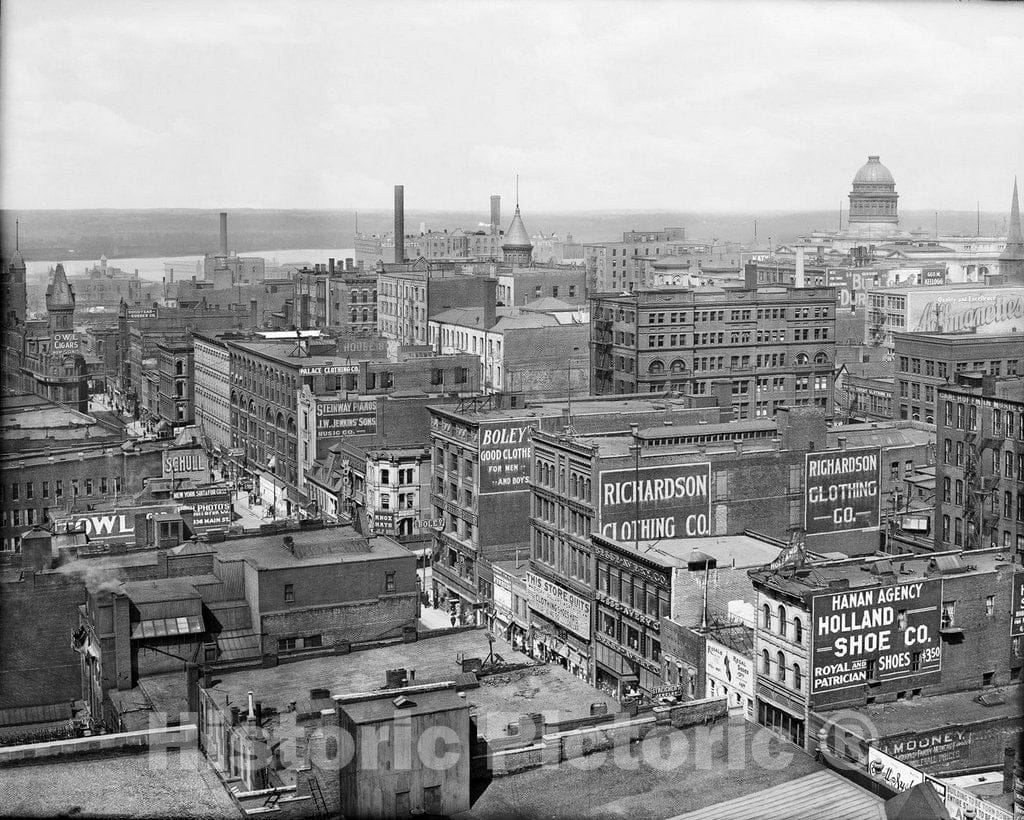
[
  {"x": 1017, "y": 606},
  {"x": 100, "y": 526},
  {"x": 894, "y": 773},
  {"x": 505, "y": 456},
  {"x": 362, "y": 346},
  {"x": 382, "y": 522},
  {"x": 884, "y": 634},
  {"x": 966, "y": 310},
  {"x": 65, "y": 343},
  {"x": 211, "y": 512},
  {"x": 559, "y": 605},
  {"x": 670, "y": 501},
  {"x": 328, "y": 369},
  {"x": 337, "y": 419},
  {"x": 842, "y": 490},
  {"x": 502, "y": 589},
  {"x": 191, "y": 464},
  {"x": 732, "y": 674}
]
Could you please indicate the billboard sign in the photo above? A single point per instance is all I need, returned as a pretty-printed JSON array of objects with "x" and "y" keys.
[
  {"x": 100, "y": 526},
  {"x": 502, "y": 590},
  {"x": 965, "y": 310},
  {"x": 382, "y": 522},
  {"x": 1017, "y": 606},
  {"x": 933, "y": 276},
  {"x": 328, "y": 369},
  {"x": 894, "y": 773},
  {"x": 65, "y": 343},
  {"x": 559, "y": 605},
  {"x": 842, "y": 490},
  {"x": 141, "y": 313},
  {"x": 360, "y": 346},
  {"x": 878, "y": 634},
  {"x": 670, "y": 501},
  {"x": 211, "y": 511},
  {"x": 191, "y": 464},
  {"x": 337, "y": 419},
  {"x": 851, "y": 286},
  {"x": 733, "y": 672},
  {"x": 505, "y": 456}
]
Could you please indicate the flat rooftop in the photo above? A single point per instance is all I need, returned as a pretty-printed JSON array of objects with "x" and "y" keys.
[
  {"x": 499, "y": 700},
  {"x": 937, "y": 711},
  {"x": 129, "y": 785},
  {"x": 331, "y": 545},
  {"x": 582, "y": 406},
  {"x": 676, "y": 771},
  {"x": 737, "y": 551}
]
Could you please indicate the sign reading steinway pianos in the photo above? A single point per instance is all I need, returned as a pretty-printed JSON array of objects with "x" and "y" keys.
[{"x": 876, "y": 634}]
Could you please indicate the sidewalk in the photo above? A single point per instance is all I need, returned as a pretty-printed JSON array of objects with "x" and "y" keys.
[{"x": 249, "y": 516}]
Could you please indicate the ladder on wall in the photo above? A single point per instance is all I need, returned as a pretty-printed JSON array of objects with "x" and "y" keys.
[{"x": 319, "y": 802}]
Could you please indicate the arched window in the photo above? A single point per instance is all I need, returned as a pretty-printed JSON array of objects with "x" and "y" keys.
[
  {"x": 801, "y": 358},
  {"x": 797, "y": 683},
  {"x": 766, "y": 612},
  {"x": 766, "y": 663},
  {"x": 782, "y": 620},
  {"x": 782, "y": 667},
  {"x": 656, "y": 367},
  {"x": 821, "y": 357},
  {"x": 678, "y": 366},
  {"x": 798, "y": 631}
]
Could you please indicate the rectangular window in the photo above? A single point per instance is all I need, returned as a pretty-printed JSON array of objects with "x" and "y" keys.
[
  {"x": 948, "y": 614},
  {"x": 289, "y": 593},
  {"x": 389, "y": 582}
]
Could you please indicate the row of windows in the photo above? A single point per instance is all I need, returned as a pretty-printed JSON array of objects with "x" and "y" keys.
[{"x": 86, "y": 486}]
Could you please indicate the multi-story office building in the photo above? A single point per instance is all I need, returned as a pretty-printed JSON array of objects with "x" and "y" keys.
[
  {"x": 927, "y": 361},
  {"x": 410, "y": 292},
  {"x": 769, "y": 347},
  {"x": 979, "y": 471},
  {"x": 176, "y": 397},
  {"x": 335, "y": 297},
  {"x": 211, "y": 387},
  {"x": 607, "y": 263}
]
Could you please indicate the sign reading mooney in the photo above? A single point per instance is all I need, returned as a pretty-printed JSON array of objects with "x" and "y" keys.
[
  {"x": 505, "y": 455},
  {"x": 335, "y": 419},
  {"x": 671, "y": 501},
  {"x": 842, "y": 490},
  {"x": 878, "y": 634}
]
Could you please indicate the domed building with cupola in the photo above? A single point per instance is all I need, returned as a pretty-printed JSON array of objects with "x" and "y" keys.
[{"x": 873, "y": 201}]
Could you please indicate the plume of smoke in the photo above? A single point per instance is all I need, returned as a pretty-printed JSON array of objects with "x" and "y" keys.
[{"x": 97, "y": 579}]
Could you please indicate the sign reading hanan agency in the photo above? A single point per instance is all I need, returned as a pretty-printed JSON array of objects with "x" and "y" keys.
[
  {"x": 842, "y": 490},
  {"x": 505, "y": 456},
  {"x": 336, "y": 419},
  {"x": 882, "y": 634},
  {"x": 191, "y": 464},
  {"x": 559, "y": 605},
  {"x": 670, "y": 501}
]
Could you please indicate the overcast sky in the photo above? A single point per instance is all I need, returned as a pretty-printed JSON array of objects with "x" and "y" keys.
[{"x": 683, "y": 106}]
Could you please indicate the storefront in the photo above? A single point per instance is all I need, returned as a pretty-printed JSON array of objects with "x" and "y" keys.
[
  {"x": 782, "y": 714},
  {"x": 560, "y": 622}
]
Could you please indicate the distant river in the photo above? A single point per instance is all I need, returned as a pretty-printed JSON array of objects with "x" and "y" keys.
[{"x": 153, "y": 267}]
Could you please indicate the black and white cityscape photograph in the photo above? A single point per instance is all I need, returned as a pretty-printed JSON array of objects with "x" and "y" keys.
[{"x": 504, "y": 409}]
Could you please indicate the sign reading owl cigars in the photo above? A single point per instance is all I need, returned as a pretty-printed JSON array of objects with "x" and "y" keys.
[
  {"x": 876, "y": 634},
  {"x": 842, "y": 490},
  {"x": 505, "y": 455}
]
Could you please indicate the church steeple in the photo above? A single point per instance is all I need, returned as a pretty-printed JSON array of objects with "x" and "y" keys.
[
  {"x": 14, "y": 295},
  {"x": 1011, "y": 260},
  {"x": 60, "y": 301}
]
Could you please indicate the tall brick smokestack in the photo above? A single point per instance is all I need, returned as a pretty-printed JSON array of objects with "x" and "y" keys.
[
  {"x": 223, "y": 233},
  {"x": 495, "y": 215},
  {"x": 399, "y": 223}
]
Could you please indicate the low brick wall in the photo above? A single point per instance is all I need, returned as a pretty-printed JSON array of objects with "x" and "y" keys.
[{"x": 183, "y": 737}]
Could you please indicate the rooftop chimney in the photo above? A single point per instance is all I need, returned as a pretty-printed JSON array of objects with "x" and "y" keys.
[
  {"x": 495, "y": 215},
  {"x": 223, "y": 233},
  {"x": 399, "y": 223}
]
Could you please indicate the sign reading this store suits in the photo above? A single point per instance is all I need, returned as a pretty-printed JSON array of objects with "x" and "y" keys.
[{"x": 558, "y": 604}]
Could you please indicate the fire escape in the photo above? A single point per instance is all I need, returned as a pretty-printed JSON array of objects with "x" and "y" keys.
[{"x": 980, "y": 516}]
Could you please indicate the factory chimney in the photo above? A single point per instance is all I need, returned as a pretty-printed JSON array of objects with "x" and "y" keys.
[
  {"x": 798, "y": 273},
  {"x": 223, "y": 233},
  {"x": 495, "y": 215},
  {"x": 399, "y": 223}
]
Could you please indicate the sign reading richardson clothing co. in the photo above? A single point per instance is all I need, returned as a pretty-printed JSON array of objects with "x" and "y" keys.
[
  {"x": 337, "y": 419},
  {"x": 505, "y": 456},
  {"x": 65, "y": 343},
  {"x": 876, "y": 634},
  {"x": 559, "y": 605},
  {"x": 670, "y": 501},
  {"x": 842, "y": 490}
]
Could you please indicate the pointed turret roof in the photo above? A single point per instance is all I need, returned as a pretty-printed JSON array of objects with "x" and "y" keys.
[
  {"x": 58, "y": 292},
  {"x": 1014, "y": 239},
  {"x": 517, "y": 235}
]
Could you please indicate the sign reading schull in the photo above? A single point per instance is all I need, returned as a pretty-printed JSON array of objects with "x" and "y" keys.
[
  {"x": 505, "y": 450},
  {"x": 881, "y": 634},
  {"x": 670, "y": 501},
  {"x": 842, "y": 490}
]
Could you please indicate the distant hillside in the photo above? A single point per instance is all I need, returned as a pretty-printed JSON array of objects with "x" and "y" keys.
[{"x": 176, "y": 232}]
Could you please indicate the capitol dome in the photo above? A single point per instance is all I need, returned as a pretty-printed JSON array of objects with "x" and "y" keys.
[{"x": 873, "y": 173}]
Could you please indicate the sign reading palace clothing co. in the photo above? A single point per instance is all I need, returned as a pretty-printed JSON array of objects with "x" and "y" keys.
[{"x": 877, "y": 634}]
